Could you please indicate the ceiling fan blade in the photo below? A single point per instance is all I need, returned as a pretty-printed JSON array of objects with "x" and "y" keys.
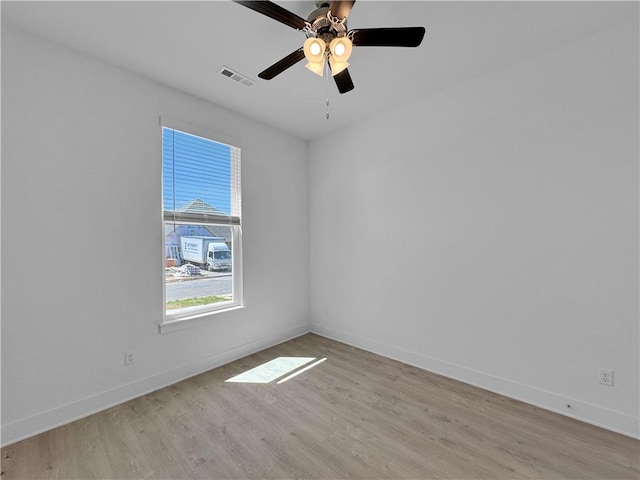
[
  {"x": 280, "y": 66},
  {"x": 276, "y": 12},
  {"x": 341, "y": 8},
  {"x": 388, "y": 37},
  {"x": 343, "y": 81}
]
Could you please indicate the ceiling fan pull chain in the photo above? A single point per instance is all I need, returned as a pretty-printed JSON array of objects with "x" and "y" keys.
[{"x": 328, "y": 77}]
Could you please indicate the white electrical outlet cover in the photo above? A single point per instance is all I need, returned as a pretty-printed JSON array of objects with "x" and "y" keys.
[
  {"x": 605, "y": 377},
  {"x": 129, "y": 358}
]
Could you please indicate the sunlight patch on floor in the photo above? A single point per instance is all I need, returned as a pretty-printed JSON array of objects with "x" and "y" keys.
[
  {"x": 271, "y": 370},
  {"x": 295, "y": 374}
]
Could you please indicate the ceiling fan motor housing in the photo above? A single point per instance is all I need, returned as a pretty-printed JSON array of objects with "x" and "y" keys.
[{"x": 322, "y": 27}]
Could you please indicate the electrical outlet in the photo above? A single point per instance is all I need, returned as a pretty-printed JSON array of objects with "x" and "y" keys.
[
  {"x": 605, "y": 377},
  {"x": 129, "y": 358}
]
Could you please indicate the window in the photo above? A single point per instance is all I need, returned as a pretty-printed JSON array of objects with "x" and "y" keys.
[{"x": 202, "y": 234}]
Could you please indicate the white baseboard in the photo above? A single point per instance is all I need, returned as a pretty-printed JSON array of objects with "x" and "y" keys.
[
  {"x": 609, "y": 419},
  {"x": 41, "y": 422}
]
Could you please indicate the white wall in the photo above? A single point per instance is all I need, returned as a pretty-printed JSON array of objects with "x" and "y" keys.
[
  {"x": 81, "y": 165},
  {"x": 490, "y": 232}
]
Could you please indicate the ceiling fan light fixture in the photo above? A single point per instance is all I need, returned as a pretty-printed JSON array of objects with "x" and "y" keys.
[
  {"x": 328, "y": 39},
  {"x": 337, "y": 66},
  {"x": 314, "y": 49},
  {"x": 316, "y": 67},
  {"x": 340, "y": 48}
]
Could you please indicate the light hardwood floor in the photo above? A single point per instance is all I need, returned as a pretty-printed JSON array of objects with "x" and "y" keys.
[{"x": 356, "y": 415}]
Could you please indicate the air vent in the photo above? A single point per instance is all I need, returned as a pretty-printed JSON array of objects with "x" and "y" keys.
[{"x": 233, "y": 75}]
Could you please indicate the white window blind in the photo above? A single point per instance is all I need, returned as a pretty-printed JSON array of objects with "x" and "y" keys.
[{"x": 201, "y": 179}]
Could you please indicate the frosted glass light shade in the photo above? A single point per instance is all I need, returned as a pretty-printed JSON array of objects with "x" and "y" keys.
[
  {"x": 337, "y": 67},
  {"x": 340, "y": 48},
  {"x": 316, "y": 67},
  {"x": 314, "y": 49}
]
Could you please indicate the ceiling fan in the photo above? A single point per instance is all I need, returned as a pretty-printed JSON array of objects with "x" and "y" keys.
[{"x": 328, "y": 40}]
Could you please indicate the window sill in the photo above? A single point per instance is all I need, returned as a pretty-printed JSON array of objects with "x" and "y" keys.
[{"x": 181, "y": 323}]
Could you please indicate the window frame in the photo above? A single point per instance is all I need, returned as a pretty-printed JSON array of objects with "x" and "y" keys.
[{"x": 191, "y": 316}]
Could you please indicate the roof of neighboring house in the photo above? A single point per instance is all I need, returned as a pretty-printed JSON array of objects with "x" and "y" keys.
[{"x": 199, "y": 206}]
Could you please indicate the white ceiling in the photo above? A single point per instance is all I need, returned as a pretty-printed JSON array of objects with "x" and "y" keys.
[{"x": 184, "y": 44}]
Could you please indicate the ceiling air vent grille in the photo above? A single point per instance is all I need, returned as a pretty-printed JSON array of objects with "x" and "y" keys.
[{"x": 233, "y": 75}]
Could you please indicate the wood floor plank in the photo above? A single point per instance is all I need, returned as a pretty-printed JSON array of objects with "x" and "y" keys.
[{"x": 355, "y": 415}]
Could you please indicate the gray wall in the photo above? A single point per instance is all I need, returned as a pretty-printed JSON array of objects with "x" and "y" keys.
[
  {"x": 81, "y": 158},
  {"x": 490, "y": 232}
]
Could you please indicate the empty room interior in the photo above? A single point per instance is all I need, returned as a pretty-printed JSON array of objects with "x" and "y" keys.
[{"x": 300, "y": 239}]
